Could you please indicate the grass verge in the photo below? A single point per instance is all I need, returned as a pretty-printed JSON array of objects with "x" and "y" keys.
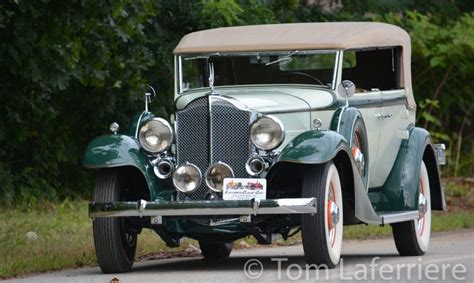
[{"x": 64, "y": 235}]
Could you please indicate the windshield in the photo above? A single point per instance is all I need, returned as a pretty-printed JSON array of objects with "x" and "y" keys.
[{"x": 291, "y": 67}]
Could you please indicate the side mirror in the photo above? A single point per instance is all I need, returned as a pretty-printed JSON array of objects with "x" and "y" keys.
[
  {"x": 346, "y": 89},
  {"x": 149, "y": 96}
]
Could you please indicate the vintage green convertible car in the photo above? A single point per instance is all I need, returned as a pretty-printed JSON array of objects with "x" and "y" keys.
[{"x": 322, "y": 115}]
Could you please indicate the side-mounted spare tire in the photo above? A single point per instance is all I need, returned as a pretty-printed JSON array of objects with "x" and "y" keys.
[
  {"x": 360, "y": 149},
  {"x": 352, "y": 127},
  {"x": 115, "y": 243}
]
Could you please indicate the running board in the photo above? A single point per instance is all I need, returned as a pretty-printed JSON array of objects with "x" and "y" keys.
[{"x": 396, "y": 217}]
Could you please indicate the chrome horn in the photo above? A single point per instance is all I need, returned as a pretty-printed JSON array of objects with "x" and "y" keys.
[
  {"x": 163, "y": 168},
  {"x": 256, "y": 165}
]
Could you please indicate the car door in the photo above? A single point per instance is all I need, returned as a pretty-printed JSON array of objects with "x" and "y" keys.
[{"x": 394, "y": 118}]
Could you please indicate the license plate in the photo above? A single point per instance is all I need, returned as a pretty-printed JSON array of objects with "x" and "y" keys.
[{"x": 244, "y": 189}]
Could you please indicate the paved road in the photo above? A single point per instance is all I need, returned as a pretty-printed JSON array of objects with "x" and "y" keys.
[{"x": 451, "y": 257}]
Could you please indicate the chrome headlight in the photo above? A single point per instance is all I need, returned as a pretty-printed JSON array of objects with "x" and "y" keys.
[
  {"x": 156, "y": 135},
  {"x": 187, "y": 178},
  {"x": 216, "y": 174},
  {"x": 267, "y": 132}
]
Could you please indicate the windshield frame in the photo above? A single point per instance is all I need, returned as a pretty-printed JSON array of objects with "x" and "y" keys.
[{"x": 180, "y": 57}]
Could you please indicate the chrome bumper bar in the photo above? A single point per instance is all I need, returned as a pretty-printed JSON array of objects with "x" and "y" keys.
[{"x": 184, "y": 208}]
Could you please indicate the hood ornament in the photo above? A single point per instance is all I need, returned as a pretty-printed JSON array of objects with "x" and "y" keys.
[{"x": 211, "y": 80}]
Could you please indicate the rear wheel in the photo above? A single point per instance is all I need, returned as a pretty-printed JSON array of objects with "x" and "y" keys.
[
  {"x": 413, "y": 237},
  {"x": 215, "y": 251},
  {"x": 322, "y": 232},
  {"x": 115, "y": 243}
]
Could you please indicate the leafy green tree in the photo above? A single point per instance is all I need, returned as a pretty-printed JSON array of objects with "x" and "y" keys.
[
  {"x": 66, "y": 66},
  {"x": 69, "y": 68},
  {"x": 442, "y": 79}
]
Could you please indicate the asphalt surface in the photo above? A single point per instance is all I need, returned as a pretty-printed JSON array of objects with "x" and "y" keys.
[{"x": 450, "y": 259}]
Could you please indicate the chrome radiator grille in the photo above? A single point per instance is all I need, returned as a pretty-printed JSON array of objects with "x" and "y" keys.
[
  {"x": 209, "y": 134},
  {"x": 192, "y": 139}
]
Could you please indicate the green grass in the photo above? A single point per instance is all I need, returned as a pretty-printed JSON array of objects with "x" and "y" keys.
[{"x": 65, "y": 237}]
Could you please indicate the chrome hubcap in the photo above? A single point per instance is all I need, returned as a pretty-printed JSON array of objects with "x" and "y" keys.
[
  {"x": 422, "y": 205},
  {"x": 335, "y": 214},
  {"x": 422, "y": 209}
]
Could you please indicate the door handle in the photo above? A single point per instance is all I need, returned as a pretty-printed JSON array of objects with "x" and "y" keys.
[{"x": 382, "y": 116}]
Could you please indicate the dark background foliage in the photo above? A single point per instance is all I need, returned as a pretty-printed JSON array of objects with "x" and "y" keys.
[{"x": 69, "y": 68}]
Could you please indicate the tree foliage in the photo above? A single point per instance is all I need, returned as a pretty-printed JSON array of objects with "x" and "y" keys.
[{"x": 69, "y": 68}]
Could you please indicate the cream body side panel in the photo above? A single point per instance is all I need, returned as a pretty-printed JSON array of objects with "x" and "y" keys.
[{"x": 393, "y": 131}]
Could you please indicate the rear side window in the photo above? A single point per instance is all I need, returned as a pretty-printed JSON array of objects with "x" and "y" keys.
[{"x": 373, "y": 68}]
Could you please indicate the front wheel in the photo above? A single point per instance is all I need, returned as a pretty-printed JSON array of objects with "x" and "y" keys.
[
  {"x": 115, "y": 243},
  {"x": 322, "y": 232},
  {"x": 412, "y": 238}
]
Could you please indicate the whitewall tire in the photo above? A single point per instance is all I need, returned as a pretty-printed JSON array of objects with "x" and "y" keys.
[
  {"x": 322, "y": 232},
  {"x": 413, "y": 237}
]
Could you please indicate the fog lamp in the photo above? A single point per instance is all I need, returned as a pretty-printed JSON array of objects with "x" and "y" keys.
[
  {"x": 216, "y": 174},
  {"x": 187, "y": 178}
]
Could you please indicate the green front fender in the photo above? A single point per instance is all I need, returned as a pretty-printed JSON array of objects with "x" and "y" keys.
[
  {"x": 110, "y": 151},
  {"x": 314, "y": 147}
]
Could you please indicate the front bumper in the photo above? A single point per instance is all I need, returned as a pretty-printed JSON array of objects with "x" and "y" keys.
[{"x": 188, "y": 208}]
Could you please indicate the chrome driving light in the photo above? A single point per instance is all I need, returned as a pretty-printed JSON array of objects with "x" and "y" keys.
[
  {"x": 156, "y": 135},
  {"x": 187, "y": 178},
  {"x": 216, "y": 174},
  {"x": 267, "y": 132}
]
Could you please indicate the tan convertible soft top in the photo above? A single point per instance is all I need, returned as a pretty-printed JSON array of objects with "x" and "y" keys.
[{"x": 302, "y": 36}]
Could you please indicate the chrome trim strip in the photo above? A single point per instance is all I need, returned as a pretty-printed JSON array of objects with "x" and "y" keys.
[
  {"x": 400, "y": 100},
  {"x": 367, "y": 103},
  {"x": 210, "y": 134},
  {"x": 189, "y": 208}
]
